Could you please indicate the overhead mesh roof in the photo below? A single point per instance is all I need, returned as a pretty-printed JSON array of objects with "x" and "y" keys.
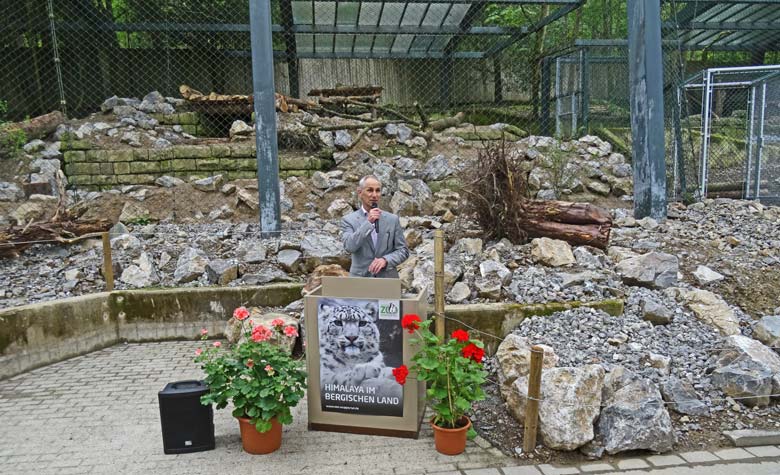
[
  {"x": 728, "y": 25},
  {"x": 410, "y": 29}
]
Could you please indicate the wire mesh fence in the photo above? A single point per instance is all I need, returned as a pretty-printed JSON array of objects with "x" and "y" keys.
[{"x": 513, "y": 62}]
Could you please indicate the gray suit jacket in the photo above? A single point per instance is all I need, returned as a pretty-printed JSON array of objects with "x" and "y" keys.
[{"x": 356, "y": 235}]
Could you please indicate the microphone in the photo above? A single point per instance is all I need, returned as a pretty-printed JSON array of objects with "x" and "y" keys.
[{"x": 376, "y": 223}]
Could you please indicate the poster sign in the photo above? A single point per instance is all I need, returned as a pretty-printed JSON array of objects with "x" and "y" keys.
[{"x": 361, "y": 342}]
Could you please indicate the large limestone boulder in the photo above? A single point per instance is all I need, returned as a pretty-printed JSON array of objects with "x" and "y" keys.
[
  {"x": 222, "y": 271},
  {"x": 635, "y": 418},
  {"x": 713, "y": 310},
  {"x": 552, "y": 252},
  {"x": 655, "y": 270},
  {"x": 571, "y": 398},
  {"x": 514, "y": 360}
]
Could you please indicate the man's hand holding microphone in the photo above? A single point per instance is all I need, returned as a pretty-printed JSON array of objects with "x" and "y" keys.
[{"x": 378, "y": 263}]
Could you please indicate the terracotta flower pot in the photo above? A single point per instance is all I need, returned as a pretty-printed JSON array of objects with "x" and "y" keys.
[
  {"x": 260, "y": 442},
  {"x": 451, "y": 441}
]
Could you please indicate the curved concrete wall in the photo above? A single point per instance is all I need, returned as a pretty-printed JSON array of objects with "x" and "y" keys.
[{"x": 43, "y": 333}]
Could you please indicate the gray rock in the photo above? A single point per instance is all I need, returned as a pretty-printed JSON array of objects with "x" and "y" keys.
[
  {"x": 162, "y": 143},
  {"x": 683, "y": 398},
  {"x": 168, "y": 181},
  {"x": 654, "y": 270},
  {"x": 404, "y": 133},
  {"x": 459, "y": 293},
  {"x": 248, "y": 198},
  {"x": 221, "y": 271},
  {"x": 745, "y": 378},
  {"x": 117, "y": 230},
  {"x": 326, "y": 137},
  {"x": 767, "y": 330},
  {"x": 419, "y": 202},
  {"x": 109, "y": 104},
  {"x": 438, "y": 168},
  {"x": 547, "y": 195},
  {"x": 212, "y": 183},
  {"x": 320, "y": 180},
  {"x": 598, "y": 187},
  {"x": 342, "y": 140},
  {"x": 190, "y": 265},
  {"x": 141, "y": 274},
  {"x": 321, "y": 249},
  {"x": 579, "y": 278},
  {"x": 126, "y": 242},
  {"x": 239, "y": 128},
  {"x": 34, "y": 146},
  {"x": 589, "y": 259},
  {"x": 705, "y": 275},
  {"x": 552, "y": 252},
  {"x": 422, "y": 274},
  {"x": 10, "y": 192},
  {"x": 495, "y": 269},
  {"x": 339, "y": 208},
  {"x": 408, "y": 167},
  {"x": 289, "y": 259},
  {"x": 488, "y": 287},
  {"x": 635, "y": 418},
  {"x": 470, "y": 246},
  {"x": 388, "y": 177},
  {"x": 622, "y": 170},
  {"x": 656, "y": 312},
  {"x": 223, "y": 212},
  {"x": 251, "y": 251},
  {"x": 154, "y": 97}
]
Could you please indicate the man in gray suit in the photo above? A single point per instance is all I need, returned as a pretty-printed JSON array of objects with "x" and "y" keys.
[{"x": 373, "y": 237}]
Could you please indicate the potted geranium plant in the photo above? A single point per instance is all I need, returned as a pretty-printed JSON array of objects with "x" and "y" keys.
[
  {"x": 454, "y": 373},
  {"x": 260, "y": 379}
]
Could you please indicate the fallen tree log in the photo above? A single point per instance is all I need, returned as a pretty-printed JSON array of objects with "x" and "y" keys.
[
  {"x": 596, "y": 235},
  {"x": 447, "y": 122},
  {"x": 16, "y": 239},
  {"x": 567, "y": 212},
  {"x": 35, "y": 128},
  {"x": 347, "y": 91}
]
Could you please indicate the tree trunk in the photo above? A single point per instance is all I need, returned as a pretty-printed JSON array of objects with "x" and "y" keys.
[
  {"x": 35, "y": 128},
  {"x": 576, "y": 223},
  {"x": 537, "y": 67},
  {"x": 63, "y": 232}
]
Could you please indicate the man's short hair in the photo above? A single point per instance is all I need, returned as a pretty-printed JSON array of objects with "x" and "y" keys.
[{"x": 362, "y": 181}]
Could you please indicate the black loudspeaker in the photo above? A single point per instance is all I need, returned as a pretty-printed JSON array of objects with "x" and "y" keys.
[{"x": 187, "y": 425}]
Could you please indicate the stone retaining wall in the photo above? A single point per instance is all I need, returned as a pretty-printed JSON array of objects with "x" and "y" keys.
[{"x": 88, "y": 168}]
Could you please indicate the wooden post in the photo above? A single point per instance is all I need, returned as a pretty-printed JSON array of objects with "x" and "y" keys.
[
  {"x": 532, "y": 406},
  {"x": 108, "y": 265},
  {"x": 438, "y": 281}
]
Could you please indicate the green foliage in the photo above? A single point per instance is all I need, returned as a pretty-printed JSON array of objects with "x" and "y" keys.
[
  {"x": 453, "y": 371},
  {"x": 11, "y": 139},
  {"x": 142, "y": 220},
  {"x": 260, "y": 379}
]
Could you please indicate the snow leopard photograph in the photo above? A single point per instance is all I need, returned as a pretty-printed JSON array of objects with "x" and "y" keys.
[{"x": 358, "y": 352}]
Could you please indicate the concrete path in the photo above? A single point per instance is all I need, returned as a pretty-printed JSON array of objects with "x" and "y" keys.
[{"x": 99, "y": 414}]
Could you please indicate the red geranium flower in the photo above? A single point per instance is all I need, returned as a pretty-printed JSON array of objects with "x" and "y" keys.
[
  {"x": 461, "y": 335},
  {"x": 410, "y": 322},
  {"x": 241, "y": 313},
  {"x": 400, "y": 374},
  {"x": 474, "y": 352}
]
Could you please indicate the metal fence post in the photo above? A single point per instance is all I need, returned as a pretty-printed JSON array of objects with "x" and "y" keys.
[{"x": 265, "y": 116}]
